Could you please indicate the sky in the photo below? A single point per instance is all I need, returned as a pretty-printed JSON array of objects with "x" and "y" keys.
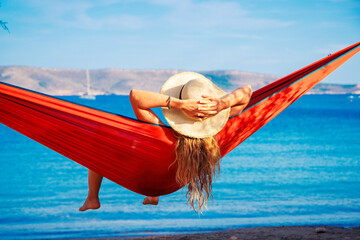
[{"x": 261, "y": 36}]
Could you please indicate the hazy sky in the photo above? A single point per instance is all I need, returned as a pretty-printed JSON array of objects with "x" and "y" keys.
[{"x": 262, "y": 36}]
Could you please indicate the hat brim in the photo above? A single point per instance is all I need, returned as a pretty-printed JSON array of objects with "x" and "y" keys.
[{"x": 182, "y": 123}]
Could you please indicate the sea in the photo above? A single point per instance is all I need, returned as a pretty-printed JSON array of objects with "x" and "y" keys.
[{"x": 302, "y": 168}]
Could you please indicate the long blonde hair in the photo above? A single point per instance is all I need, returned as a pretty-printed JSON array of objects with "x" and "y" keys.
[{"x": 197, "y": 163}]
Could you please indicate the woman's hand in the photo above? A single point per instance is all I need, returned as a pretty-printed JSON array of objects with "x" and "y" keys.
[
  {"x": 211, "y": 106},
  {"x": 191, "y": 108},
  {"x": 204, "y": 108}
]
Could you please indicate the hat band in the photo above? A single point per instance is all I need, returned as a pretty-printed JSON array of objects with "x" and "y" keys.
[{"x": 180, "y": 97}]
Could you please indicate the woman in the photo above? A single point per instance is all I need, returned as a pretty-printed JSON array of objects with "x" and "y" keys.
[{"x": 197, "y": 110}]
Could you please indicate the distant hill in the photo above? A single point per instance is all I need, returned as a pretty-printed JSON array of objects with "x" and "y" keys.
[{"x": 55, "y": 81}]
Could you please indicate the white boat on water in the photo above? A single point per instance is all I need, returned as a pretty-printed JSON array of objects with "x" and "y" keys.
[{"x": 88, "y": 94}]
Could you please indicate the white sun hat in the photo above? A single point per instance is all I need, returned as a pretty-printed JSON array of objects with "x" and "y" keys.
[{"x": 190, "y": 85}]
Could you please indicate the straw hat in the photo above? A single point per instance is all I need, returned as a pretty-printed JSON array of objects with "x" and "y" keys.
[{"x": 190, "y": 85}]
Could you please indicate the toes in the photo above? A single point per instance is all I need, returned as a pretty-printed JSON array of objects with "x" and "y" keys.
[
  {"x": 90, "y": 205},
  {"x": 151, "y": 201}
]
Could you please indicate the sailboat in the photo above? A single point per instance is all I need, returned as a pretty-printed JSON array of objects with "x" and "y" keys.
[{"x": 88, "y": 94}]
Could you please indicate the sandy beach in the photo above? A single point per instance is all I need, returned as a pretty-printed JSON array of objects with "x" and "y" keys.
[{"x": 271, "y": 233}]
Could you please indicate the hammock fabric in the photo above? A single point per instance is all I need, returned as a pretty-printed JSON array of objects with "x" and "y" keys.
[{"x": 134, "y": 154}]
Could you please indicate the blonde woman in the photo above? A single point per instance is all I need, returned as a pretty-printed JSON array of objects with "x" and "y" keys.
[{"x": 197, "y": 110}]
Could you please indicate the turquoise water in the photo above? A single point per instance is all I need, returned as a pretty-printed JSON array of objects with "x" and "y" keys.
[{"x": 302, "y": 168}]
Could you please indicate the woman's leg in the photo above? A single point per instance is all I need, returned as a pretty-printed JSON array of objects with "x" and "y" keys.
[
  {"x": 94, "y": 179},
  {"x": 92, "y": 201}
]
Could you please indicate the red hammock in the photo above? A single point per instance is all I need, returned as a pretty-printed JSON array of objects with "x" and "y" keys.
[{"x": 134, "y": 154}]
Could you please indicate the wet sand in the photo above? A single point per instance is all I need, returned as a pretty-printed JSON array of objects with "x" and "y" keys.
[{"x": 271, "y": 233}]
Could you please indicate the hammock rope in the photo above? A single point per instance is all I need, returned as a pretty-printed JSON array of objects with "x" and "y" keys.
[{"x": 138, "y": 155}]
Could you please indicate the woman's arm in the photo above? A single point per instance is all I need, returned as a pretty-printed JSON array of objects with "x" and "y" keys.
[
  {"x": 237, "y": 100},
  {"x": 142, "y": 101}
]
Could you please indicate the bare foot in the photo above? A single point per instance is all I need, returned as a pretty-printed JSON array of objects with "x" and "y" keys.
[
  {"x": 90, "y": 204},
  {"x": 151, "y": 201}
]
